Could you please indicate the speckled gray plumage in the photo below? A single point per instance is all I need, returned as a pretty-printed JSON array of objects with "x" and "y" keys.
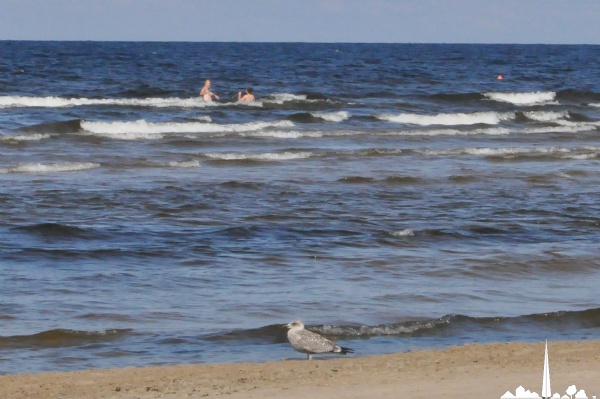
[{"x": 308, "y": 342}]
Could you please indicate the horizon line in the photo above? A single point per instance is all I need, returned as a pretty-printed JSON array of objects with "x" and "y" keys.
[{"x": 297, "y": 42}]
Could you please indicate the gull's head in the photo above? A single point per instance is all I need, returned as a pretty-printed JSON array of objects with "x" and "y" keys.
[{"x": 296, "y": 324}]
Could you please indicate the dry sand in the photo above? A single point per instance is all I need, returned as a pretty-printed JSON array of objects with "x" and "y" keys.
[{"x": 470, "y": 371}]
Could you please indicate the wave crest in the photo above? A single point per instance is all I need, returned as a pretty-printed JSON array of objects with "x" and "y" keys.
[
  {"x": 488, "y": 118},
  {"x": 403, "y": 233},
  {"x": 60, "y": 102},
  {"x": 61, "y": 338},
  {"x": 532, "y": 98},
  {"x": 143, "y": 128},
  {"x": 268, "y": 156},
  {"x": 24, "y": 137},
  {"x": 339, "y": 116},
  {"x": 34, "y": 168}
]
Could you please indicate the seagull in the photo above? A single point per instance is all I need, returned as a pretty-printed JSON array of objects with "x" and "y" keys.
[{"x": 308, "y": 342}]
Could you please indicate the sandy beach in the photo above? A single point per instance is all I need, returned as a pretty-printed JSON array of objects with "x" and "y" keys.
[{"x": 475, "y": 371}]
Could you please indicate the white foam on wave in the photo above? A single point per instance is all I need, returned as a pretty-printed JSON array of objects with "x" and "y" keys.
[
  {"x": 595, "y": 105},
  {"x": 295, "y": 134},
  {"x": 339, "y": 116},
  {"x": 454, "y": 132},
  {"x": 184, "y": 164},
  {"x": 579, "y": 125},
  {"x": 50, "y": 168},
  {"x": 60, "y": 102},
  {"x": 471, "y": 151},
  {"x": 279, "y": 134},
  {"x": 403, "y": 233},
  {"x": 204, "y": 118},
  {"x": 514, "y": 150},
  {"x": 145, "y": 129},
  {"x": 559, "y": 118},
  {"x": 280, "y": 98},
  {"x": 267, "y": 156},
  {"x": 563, "y": 128},
  {"x": 583, "y": 157},
  {"x": 28, "y": 137},
  {"x": 531, "y": 98},
  {"x": 546, "y": 116},
  {"x": 565, "y": 152},
  {"x": 497, "y": 131},
  {"x": 488, "y": 118}
]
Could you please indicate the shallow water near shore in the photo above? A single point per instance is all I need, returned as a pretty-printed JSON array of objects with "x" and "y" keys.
[{"x": 393, "y": 197}]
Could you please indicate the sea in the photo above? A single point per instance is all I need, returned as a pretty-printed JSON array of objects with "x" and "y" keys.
[{"x": 393, "y": 197}]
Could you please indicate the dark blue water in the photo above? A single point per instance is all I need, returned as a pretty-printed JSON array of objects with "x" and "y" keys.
[{"x": 393, "y": 197}]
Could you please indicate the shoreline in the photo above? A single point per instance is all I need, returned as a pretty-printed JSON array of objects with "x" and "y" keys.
[{"x": 461, "y": 371}]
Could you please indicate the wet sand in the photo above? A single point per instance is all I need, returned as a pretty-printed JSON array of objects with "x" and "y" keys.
[{"x": 473, "y": 371}]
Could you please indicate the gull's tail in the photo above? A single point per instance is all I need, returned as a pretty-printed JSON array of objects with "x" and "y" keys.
[{"x": 343, "y": 350}]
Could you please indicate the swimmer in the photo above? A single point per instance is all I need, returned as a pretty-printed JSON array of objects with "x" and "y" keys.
[
  {"x": 249, "y": 96},
  {"x": 205, "y": 92}
]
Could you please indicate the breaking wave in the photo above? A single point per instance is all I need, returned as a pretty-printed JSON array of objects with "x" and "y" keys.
[
  {"x": 184, "y": 164},
  {"x": 339, "y": 116},
  {"x": 60, "y": 102},
  {"x": 156, "y": 102},
  {"x": 142, "y": 128},
  {"x": 546, "y": 116},
  {"x": 279, "y": 134},
  {"x": 24, "y": 137},
  {"x": 280, "y": 98},
  {"x": 453, "y": 324},
  {"x": 585, "y": 152},
  {"x": 34, "y": 168},
  {"x": 403, "y": 233},
  {"x": 488, "y": 118},
  {"x": 532, "y": 98},
  {"x": 61, "y": 338},
  {"x": 268, "y": 156}
]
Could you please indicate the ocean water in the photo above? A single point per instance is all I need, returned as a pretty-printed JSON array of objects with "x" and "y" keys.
[{"x": 393, "y": 197}]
